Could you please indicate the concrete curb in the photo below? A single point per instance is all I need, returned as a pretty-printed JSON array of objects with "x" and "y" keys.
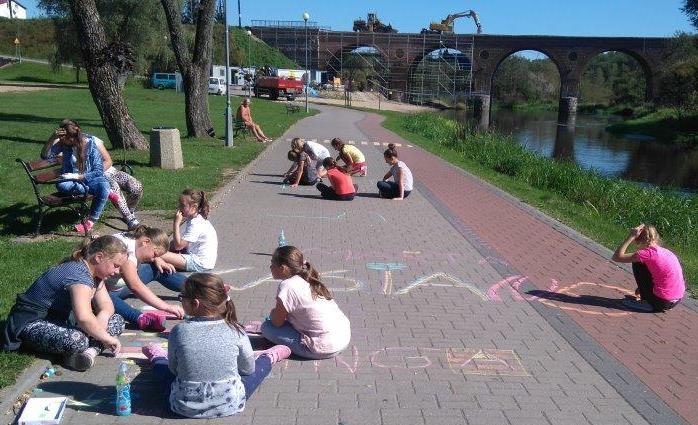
[{"x": 26, "y": 380}]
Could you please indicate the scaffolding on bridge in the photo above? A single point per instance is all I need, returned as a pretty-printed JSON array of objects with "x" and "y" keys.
[{"x": 441, "y": 75}]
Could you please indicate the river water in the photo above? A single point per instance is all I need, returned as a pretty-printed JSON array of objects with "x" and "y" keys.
[{"x": 634, "y": 157}]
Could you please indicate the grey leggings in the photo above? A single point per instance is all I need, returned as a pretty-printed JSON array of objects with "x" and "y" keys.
[
  {"x": 118, "y": 181},
  {"x": 54, "y": 338}
]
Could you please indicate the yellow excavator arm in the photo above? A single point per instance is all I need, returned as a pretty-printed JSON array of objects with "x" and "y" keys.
[{"x": 446, "y": 25}]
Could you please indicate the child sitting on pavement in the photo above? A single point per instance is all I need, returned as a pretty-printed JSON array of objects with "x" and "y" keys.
[
  {"x": 657, "y": 271},
  {"x": 209, "y": 369},
  {"x": 342, "y": 188},
  {"x": 401, "y": 186},
  {"x": 305, "y": 318},
  {"x": 302, "y": 172},
  {"x": 195, "y": 249},
  {"x": 145, "y": 245}
]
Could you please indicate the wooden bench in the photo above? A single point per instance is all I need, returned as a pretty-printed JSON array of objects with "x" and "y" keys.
[
  {"x": 292, "y": 108},
  {"x": 46, "y": 173},
  {"x": 239, "y": 127}
]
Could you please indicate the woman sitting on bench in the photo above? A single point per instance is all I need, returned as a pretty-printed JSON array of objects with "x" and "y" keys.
[{"x": 86, "y": 174}]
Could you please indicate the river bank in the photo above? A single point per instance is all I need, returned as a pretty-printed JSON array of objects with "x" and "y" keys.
[
  {"x": 671, "y": 125},
  {"x": 601, "y": 208}
]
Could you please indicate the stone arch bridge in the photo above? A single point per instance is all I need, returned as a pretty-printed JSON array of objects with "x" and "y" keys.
[{"x": 401, "y": 53}]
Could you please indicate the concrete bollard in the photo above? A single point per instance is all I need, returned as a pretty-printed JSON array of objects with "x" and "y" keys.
[{"x": 165, "y": 148}]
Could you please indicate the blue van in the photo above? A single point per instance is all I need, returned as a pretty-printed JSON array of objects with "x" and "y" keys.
[{"x": 161, "y": 80}]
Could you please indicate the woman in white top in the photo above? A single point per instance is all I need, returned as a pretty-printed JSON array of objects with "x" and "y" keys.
[
  {"x": 401, "y": 186},
  {"x": 315, "y": 151},
  {"x": 306, "y": 318}
]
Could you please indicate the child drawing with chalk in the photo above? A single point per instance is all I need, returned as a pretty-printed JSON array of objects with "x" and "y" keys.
[
  {"x": 657, "y": 271},
  {"x": 342, "y": 189},
  {"x": 354, "y": 159},
  {"x": 196, "y": 248},
  {"x": 306, "y": 318},
  {"x": 315, "y": 151},
  {"x": 209, "y": 369},
  {"x": 302, "y": 171}
]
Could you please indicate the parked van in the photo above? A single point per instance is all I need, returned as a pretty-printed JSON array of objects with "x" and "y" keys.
[
  {"x": 161, "y": 80},
  {"x": 216, "y": 85}
]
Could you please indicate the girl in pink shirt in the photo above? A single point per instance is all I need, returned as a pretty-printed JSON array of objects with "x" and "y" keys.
[
  {"x": 657, "y": 271},
  {"x": 306, "y": 318}
]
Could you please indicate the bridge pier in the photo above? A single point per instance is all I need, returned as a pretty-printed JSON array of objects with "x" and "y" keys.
[
  {"x": 481, "y": 110},
  {"x": 567, "y": 111}
]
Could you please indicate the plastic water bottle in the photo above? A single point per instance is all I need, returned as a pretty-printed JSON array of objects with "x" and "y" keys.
[
  {"x": 282, "y": 239},
  {"x": 123, "y": 391}
]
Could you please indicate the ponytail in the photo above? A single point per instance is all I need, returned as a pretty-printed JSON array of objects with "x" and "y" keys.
[
  {"x": 292, "y": 257},
  {"x": 209, "y": 289},
  {"x": 203, "y": 205},
  {"x": 197, "y": 198},
  {"x": 109, "y": 245}
]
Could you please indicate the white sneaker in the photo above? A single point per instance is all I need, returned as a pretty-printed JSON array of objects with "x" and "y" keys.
[
  {"x": 81, "y": 361},
  {"x": 637, "y": 305}
]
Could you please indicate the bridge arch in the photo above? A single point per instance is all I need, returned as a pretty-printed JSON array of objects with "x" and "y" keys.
[
  {"x": 513, "y": 52},
  {"x": 650, "y": 70},
  {"x": 439, "y": 73},
  {"x": 360, "y": 55}
]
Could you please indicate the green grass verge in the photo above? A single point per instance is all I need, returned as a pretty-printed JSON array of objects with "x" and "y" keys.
[
  {"x": 40, "y": 73},
  {"x": 672, "y": 125},
  {"x": 602, "y": 209},
  {"x": 27, "y": 119}
]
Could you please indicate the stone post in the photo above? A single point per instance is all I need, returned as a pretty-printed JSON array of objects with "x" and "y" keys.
[
  {"x": 165, "y": 148},
  {"x": 481, "y": 110},
  {"x": 567, "y": 111}
]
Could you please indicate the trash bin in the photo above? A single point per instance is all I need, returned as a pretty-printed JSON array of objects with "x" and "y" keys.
[{"x": 165, "y": 148}]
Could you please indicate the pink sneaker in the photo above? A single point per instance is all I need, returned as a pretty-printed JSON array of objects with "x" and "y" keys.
[
  {"x": 275, "y": 353},
  {"x": 154, "y": 351},
  {"x": 151, "y": 321},
  {"x": 80, "y": 228},
  {"x": 113, "y": 197}
]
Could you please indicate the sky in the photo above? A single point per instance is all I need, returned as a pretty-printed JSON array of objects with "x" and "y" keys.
[{"x": 627, "y": 18}]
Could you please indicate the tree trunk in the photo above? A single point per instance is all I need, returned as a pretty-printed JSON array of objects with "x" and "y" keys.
[
  {"x": 195, "y": 71},
  {"x": 103, "y": 78}
]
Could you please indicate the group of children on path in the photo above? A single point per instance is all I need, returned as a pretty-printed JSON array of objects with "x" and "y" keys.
[
  {"x": 76, "y": 309},
  {"x": 312, "y": 162}
]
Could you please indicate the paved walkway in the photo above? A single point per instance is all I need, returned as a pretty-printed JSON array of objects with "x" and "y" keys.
[{"x": 467, "y": 307}]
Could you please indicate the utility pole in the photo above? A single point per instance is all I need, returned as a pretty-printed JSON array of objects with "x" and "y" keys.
[
  {"x": 228, "y": 113},
  {"x": 306, "y": 16},
  {"x": 239, "y": 16}
]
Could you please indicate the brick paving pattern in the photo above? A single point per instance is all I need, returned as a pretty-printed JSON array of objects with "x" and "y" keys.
[{"x": 438, "y": 337}]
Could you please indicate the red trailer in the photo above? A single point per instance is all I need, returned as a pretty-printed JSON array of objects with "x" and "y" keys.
[{"x": 277, "y": 86}]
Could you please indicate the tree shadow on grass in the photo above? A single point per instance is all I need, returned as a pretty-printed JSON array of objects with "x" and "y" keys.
[
  {"x": 28, "y": 118},
  {"x": 583, "y": 299},
  {"x": 20, "y": 219}
]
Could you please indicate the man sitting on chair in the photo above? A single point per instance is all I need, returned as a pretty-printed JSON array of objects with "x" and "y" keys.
[{"x": 244, "y": 114}]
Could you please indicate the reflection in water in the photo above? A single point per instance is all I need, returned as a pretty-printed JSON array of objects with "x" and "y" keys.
[{"x": 633, "y": 157}]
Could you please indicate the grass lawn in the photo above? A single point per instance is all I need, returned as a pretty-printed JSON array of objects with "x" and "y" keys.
[
  {"x": 40, "y": 73},
  {"x": 586, "y": 220},
  {"x": 27, "y": 119}
]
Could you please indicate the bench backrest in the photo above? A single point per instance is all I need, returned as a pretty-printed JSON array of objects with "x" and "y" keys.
[{"x": 41, "y": 172}]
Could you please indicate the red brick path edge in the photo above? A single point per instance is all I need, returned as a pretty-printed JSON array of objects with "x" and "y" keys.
[{"x": 661, "y": 350}]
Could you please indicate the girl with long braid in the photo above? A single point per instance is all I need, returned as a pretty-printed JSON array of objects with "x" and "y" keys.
[{"x": 306, "y": 318}]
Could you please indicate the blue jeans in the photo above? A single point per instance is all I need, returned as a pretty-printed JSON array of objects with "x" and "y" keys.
[
  {"x": 262, "y": 367},
  {"x": 98, "y": 188},
  {"x": 147, "y": 273},
  {"x": 391, "y": 190},
  {"x": 287, "y": 335}
]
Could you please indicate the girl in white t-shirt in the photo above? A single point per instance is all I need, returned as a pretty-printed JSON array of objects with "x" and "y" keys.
[
  {"x": 315, "y": 151},
  {"x": 305, "y": 318},
  {"x": 145, "y": 245},
  {"x": 196, "y": 248}
]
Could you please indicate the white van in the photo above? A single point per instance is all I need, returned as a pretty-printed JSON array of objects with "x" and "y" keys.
[{"x": 216, "y": 85}]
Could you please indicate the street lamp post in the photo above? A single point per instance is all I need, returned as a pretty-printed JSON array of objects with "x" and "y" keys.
[
  {"x": 228, "y": 112},
  {"x": 249, "y": 63},
  {"x": 306, "y": 16}
]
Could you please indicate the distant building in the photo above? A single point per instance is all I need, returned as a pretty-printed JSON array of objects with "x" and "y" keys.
[{"x": 12, "y": 9}]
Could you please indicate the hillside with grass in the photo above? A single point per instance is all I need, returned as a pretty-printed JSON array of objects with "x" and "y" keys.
[{"x": 37, "y": 40}]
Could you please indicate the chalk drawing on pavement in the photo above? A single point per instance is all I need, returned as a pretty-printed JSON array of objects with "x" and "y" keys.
[
  {"x": 570, "y": 291},
  {"x": 473, "y": 361},
  {"x": 327, "y": 277},
  {"x": 387, "y": 269},
  {"x": 437, "y": 279}
]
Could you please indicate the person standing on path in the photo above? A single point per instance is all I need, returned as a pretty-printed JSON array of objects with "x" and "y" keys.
[
  {"x": 657, "y": 271},
  {"x": 401, "y": 186},
  {"x": 244, "y": 114}
]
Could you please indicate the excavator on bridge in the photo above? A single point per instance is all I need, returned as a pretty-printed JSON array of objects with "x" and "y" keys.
[
  {"x": 372, "y": 24},
  {"x": 446, "y": 25}
]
